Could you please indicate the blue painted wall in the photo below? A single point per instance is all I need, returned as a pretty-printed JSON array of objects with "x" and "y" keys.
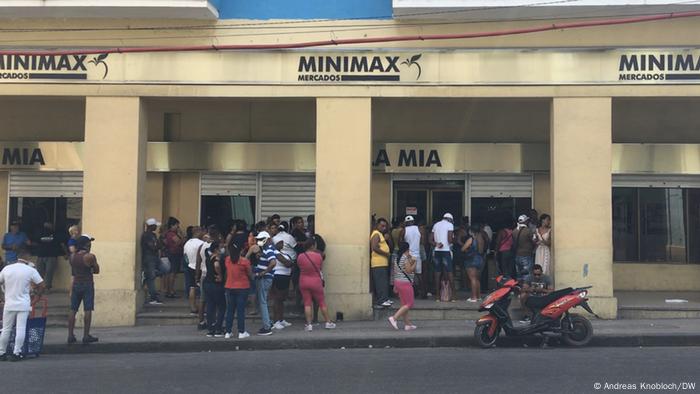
[{"x": 303, "y": 9}]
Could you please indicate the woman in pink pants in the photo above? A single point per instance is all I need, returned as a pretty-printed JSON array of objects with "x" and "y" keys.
[
  {"x": 311, "y": 282},
  {"x": 404, "y": 265}
]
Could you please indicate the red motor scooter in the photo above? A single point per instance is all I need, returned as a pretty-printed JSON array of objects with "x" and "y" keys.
[{"x": 551, "y": 314}]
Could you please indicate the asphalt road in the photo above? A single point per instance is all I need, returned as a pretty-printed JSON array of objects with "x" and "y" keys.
[{"x": 438, "y": 370}]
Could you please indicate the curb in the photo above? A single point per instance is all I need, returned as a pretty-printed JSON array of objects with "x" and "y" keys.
[{"x": 217, "y": 345}]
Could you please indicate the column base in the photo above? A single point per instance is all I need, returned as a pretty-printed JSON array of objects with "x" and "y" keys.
[
  {"x": 114, "y": 308},
  {"x": 605, "y": 307},
  {"x": 353, "y": 306}
]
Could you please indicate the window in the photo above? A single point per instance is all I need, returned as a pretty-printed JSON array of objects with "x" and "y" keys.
[
  {"x": 33, "y": 212},
  {"x": 656, "y": 225}
]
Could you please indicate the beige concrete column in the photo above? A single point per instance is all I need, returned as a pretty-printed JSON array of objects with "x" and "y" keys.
[
  {"x": 114, "y": 186},
  {"x": 581, "y": 187},
  {"x": 343, "y": 178}
]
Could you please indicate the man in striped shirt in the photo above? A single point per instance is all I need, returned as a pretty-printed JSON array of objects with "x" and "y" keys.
[{"x": 266, "y": 254}]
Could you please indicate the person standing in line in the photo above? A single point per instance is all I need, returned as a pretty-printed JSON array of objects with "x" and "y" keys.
[
  {"x": 379, "y": 263},
  {"x": 83, "y": 267},
  {"x": 212, "y": 235},
  {"x": 149, "y": 259},
  {"x": 543, "y": 239},
  {"x": 441, "y": 239},
  {"x": 48, "y": 250},
  {"x": 311, "y": 282},
  {"x": 426, "y": 260},
  {"x": 310, "y": 225},
  {"x": 532, "y": 223},
  {"x": 412, "y": 237},
  {"x": 13, "y": 241},
  {"x": 190, "y": 251},
  {"x": 282, "y": 273},
  {"x": 213, "y": 283},
  {"x": 524, "y": 248},
  {"x": 404, "y": 268},
  {"x": 397, "y": 228},
  {"x": 239, "y": 273},
  {"x": 173, "y": 248},
  {"x": 16, "y": 280},
  {"x": 74, "y": 234},
  {"x": 461, "y": 234},
  {"x": 474, "y": 261},
  {"x": 299, "y": 234},
  {"x": 504, "y": 246},
  {"x": 267, "y": 256}
]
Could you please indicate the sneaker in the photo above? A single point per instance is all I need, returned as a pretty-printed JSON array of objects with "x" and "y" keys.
[
  {"x": 264, "y": 332},
  {"x": 308, "y": 327},
  {"x": 392, "y": 321},
  {"x": 16, "y": 357},
  {"x": 210, "y": 334},
  {"x": 228, "y": 335},
  {"x": 286, "y": 323},
  {"x": 72, "y": 339},
  {"x": 90, "y": 339},
  {"x": 386, "y": 304},
  {"x": 278, "y": 326},
  {"x": 429, "y": 294},
  {"x": 391, "y": 302},
  {"x": 243, "y": 335},
  {"x": 410, "y": 327},
  {"x": 202, "y": 326},
  {"x": 155, "y": 302},
  {"x": 330, "y": 325},
  {"x": 218, "y": 334},
  {"x": 472, "y": 299}
]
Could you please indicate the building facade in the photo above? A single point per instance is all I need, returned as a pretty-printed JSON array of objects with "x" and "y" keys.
[{"x": 596, "y": 125}]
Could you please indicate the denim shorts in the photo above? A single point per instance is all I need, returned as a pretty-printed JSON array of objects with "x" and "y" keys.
[
  {"x": 443, "y": 261},
  {"x": 85, "y": 293},
  {"x": 476, "y": 261}
]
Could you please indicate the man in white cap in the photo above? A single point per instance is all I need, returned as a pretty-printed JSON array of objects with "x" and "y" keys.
[
  {"x": 441, "y": 238},
  {"x": 149, "y": 259},
  {"x": 267, "y": 258},
  {"x": 524, "y": 246},
  {"x": 411, "y": 235}
]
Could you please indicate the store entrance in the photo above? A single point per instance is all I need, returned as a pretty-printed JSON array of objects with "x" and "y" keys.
[
  {"x": 499, "y": 212},
  {"x": 428, "y": 201}
]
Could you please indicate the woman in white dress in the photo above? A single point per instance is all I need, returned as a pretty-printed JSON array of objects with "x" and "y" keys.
[{"x": 543, "y": 240}]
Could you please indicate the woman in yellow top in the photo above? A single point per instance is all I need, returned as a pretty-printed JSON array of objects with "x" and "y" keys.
[{"x": 379, "y": 263}]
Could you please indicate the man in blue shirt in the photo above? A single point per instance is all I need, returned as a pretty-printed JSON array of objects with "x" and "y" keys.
[
  {"x": 12, "y": 241},
  {"x": 266, "y": 254}
]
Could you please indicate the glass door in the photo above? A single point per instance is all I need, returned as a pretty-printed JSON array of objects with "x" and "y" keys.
[
  {"x": 447, "y": 201},
  {"x": 412, "y": 202}
]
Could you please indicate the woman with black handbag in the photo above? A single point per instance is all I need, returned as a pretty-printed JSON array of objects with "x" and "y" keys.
[{"x": 311, "y": 282}]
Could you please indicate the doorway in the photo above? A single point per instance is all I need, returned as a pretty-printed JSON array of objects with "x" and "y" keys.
[
  {"x": 428, "y": 201},
  {"x": 499, "y": 212}
]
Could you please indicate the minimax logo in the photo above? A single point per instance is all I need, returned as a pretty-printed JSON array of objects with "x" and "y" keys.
[
  {"x": 355, "y": 68},
  {"x": 21, "y": 67},
  {"x": 659, "y": 67}
]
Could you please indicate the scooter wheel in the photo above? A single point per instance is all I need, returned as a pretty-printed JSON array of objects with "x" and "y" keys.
[
  {"x": 582, "y": 331},
  {"x": 482, "y": 337}
]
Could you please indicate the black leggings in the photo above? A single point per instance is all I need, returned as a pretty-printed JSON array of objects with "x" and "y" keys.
[{"x": 216, "y": 305}]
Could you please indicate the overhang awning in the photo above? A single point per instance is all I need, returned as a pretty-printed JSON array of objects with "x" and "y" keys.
[{"x": 115, "y": 9}]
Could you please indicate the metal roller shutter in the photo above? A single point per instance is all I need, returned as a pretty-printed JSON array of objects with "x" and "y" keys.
[
  {"x": 229, "y": 184},
  {"x": 46, "y": 184},
  {"x": 497, "y": 185},
  {"x": 656, "y": 180},
  {"x": 287, "y": 195}
]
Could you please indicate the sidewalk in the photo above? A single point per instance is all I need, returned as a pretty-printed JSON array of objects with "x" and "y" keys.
[{"x": 364, "y": 334}]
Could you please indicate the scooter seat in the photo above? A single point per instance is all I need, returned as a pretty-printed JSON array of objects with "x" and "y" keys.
[{"x": 539, "y": 302}]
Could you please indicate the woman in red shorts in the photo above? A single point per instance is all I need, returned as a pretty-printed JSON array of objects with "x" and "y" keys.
[{"x": 311, "y": 282}]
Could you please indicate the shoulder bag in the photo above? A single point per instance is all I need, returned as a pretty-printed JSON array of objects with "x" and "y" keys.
[{"x": 320, "y": 274}]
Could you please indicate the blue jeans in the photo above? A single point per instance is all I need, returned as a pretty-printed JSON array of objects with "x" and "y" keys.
[
  {"x": 235, "y": 305},
  {"x": 263, "y": 288},
  {"x": 523, "y": 267}
]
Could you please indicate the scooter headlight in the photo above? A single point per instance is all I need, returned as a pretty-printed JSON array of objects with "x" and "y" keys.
[
  {"x": 583, "y": 294},
  {"x": 488, "y": 306}
]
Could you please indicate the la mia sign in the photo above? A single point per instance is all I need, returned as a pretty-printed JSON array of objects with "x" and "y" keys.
[
  {"x": 22, "y": 157},
  {"x": 409, "y": 158}
]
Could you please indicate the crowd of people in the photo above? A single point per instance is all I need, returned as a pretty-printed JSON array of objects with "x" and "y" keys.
[
  {"x": 422, "y": 261},
  {"x": 226, "y": 272}
]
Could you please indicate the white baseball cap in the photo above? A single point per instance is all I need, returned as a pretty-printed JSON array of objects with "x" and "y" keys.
[
  {"x": 262, "y": 235},
  {"x": 408, "y": 218},
  {"x": 523, "y": 218},
  {"x": 447, "y": 216},
  {"x": 152, "y": 222}
]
